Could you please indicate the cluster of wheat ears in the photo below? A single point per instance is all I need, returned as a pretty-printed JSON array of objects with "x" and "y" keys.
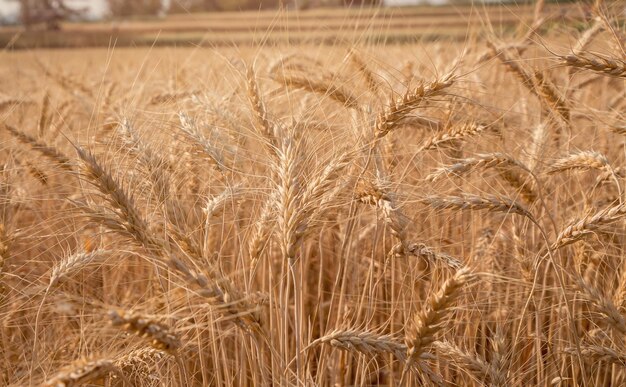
[{"x": 450, "y": 219}]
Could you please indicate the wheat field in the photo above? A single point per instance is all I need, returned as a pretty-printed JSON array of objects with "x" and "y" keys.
[{"x": 445, "y": 212}]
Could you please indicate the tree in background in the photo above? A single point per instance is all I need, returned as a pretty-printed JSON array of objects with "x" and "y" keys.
[{"x": 48, "y": 12}]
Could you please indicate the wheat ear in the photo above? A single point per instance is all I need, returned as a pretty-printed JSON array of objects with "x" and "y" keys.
[
  {"x": 551, "y": 95},
  {"x": 577, "y": 229},
  {"x": 470, "y": 362},
  {"x": 473, "y": 202},
  {"x": 399, "y": 109},
  {"x": 189, "y": 128},
  {"x": 73, "y": 263},
  {"x": 375, "y": 194},
  {"x": 582, "y": 160},
  {"x": 258, "y": 107},
  {"x": 11, "y": 102},
  {"x": 537, "y": 83},
  {"x": 600, "y": 353},
  {"x": 128, "y": 221},
  {"x": 421, "y": 330},
  {"x": 373, "y": 84},
  {"x": 605, "y": 305},
  {"x": 45, "y": 150},
  {"x": 480, "y": 161},
  {"x": 366, "y": 342},
  {"x": 158, "y": 334},
  {"x": 607, "y": 66},
  {"x": 165, "y": 98},
  {"x": 451, "y": 135},
  {"x": 44, "y": 116},
  {"x": 323, "y": 87},
  {"x": 82, "y": 372}
]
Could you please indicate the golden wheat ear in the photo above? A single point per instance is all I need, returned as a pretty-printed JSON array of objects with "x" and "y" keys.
[
  {"x": 612, "y": 67},
  {"x": 82, "y": 372},
  {"x": 49, "y": 152},
  {"x": 368, "y": 343},
  {"x": 159, "y": 335},
  {"x": 421, "y": 330}
]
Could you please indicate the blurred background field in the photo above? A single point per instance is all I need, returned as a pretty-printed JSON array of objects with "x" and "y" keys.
[
  {"x": 262, "y": 24},
  {"x": 229, "y": 193}
]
